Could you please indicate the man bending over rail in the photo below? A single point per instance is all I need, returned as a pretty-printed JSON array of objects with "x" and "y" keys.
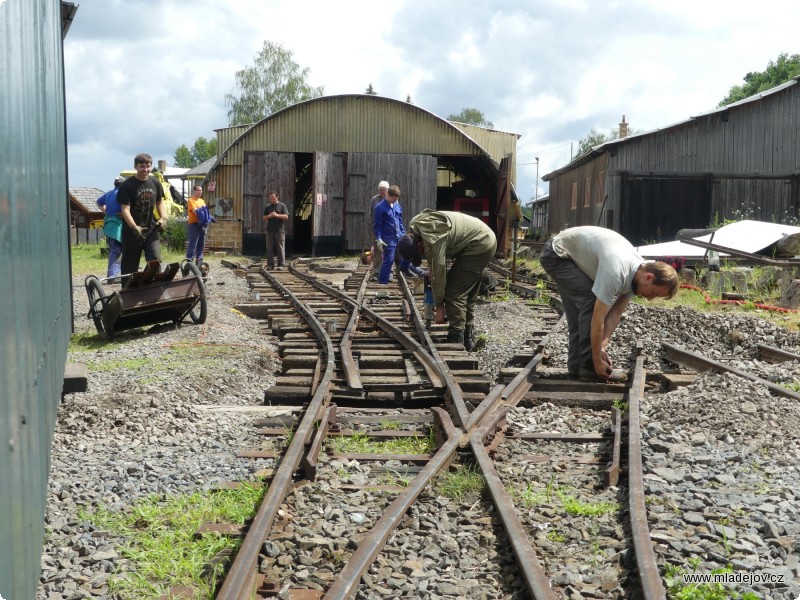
[{"x": 597, "y": 271}]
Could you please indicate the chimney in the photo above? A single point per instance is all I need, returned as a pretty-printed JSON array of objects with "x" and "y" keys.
[
  {"x": 162, "y": 164},
  {"x": 623, "y": 128}
]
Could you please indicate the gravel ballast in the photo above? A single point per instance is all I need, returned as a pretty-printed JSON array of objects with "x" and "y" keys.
[{"x": 721, "y": 455}]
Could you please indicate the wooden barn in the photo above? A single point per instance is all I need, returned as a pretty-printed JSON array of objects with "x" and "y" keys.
[
  {"x": 83, "y": 207},
  {"x": 739, "y": 161},
  {"x": 325, "y": 157}
]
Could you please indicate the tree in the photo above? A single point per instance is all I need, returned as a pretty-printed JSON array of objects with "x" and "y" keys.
[
  {"x": 776, "y": 73},
  {"x": 370, "y": 91},
  {"x": 408, "y": 99},
  {"x": 595, "y": 138},
  {"x": 274, "y": 82},
  {"x": 471, "y": 116},
  {"x": 202, "y": 149}
]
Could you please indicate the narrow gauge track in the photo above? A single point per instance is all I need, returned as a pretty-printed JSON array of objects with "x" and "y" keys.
[{"x": 427, "y": 390}]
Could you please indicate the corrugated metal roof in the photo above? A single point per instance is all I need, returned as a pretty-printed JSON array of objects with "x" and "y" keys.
[
  {"x": 601, "y": 148},
  {"x": 353, "y": 123},
  {"x": 86, "y": 197},
  {"x": 200, "y": 170}
]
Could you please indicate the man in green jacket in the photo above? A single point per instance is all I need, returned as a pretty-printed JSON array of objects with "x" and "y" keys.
[{"x": 439, "y": 235}]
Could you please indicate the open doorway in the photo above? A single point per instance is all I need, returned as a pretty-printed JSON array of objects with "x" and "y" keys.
[{"x": 303, "y": 202}]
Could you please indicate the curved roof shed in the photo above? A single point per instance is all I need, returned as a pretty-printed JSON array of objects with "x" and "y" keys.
[{"x": 325, "y": 156}]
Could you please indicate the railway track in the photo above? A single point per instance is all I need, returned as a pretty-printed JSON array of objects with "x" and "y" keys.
[
  {"x": 563, "y": 513},
  {"x": 358, "y": 362}
]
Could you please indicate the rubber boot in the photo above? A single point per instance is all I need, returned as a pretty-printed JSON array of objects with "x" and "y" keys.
[
  {"x": 469, "y": 338},
  {"x": 455, "y": 336}
]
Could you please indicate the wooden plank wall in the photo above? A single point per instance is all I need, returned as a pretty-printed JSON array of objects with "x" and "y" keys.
[
  {"x": 415, "y": 174},
  {"x": 263, "y": 173},
  {"x": 758, "y": 138},
  {"x": 590, "y": 184},
  {"x": 329, "y": 201}
]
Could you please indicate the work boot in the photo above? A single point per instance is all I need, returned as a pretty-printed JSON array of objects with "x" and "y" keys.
[
  {"x": 455, "y": 336},
  {"x": 469, "y": 338}
]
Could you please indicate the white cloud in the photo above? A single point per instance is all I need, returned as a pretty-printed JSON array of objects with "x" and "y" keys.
[{"x": 151, "y": 75}]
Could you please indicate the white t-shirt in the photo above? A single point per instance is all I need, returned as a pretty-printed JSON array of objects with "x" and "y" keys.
[{"x": 605, "y": 256}]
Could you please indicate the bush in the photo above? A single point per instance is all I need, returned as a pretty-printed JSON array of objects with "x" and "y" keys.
[{"x": 176, "y": 233}]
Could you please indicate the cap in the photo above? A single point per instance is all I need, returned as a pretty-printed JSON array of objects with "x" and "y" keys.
[
  {"x": 408, "y": 249},
  {"x": 119, "y": 180},
  {"x": 383, "y": 184}
]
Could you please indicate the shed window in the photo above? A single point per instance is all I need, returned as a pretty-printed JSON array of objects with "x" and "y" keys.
[
  {"x": 574, "y": 204},
  {"x": 601, "y": 187},
  {"x": 587, "y": 192}
]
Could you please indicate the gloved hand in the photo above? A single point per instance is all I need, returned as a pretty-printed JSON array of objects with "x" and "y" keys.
[
  {"x": 161, "y": 224},
  {"x": 138, "y": 231},
  {"x": 380, "y": 244},
  {"x": 417, "y": 271}
]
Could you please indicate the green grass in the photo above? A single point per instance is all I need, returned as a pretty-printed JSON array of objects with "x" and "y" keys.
[
  {"x": 556, "y": 536},
  {"x": 362, "y": 443},
  {"x": 87, "y": 260},
  {"x": 460, "y": 483},
  {"x": 575, "y": 506},
  {"x": 160, "y": 539},
  {"x": 529, "y": 496},
  {"x": 175, "y": 356},
  {"x": 395, "y": 478},
  {"x": 677, "y": 590}
]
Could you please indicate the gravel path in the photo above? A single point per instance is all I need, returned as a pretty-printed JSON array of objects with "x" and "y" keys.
[{"x": 721, "y": 455}]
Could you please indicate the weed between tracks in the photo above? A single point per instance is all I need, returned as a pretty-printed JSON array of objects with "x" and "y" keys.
[
  {"x": 460, "y": 483},
  {"x": 679, "y": 590},
  {"x": 362, "y": 443},
  {"x": 160, "y": 541},
  {"x": 529, "y": 496}
]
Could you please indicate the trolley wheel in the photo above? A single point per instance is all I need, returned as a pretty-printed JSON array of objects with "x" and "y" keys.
[
  {"x": 94, "y": 290},
  {"x": 199, "y": 310}
]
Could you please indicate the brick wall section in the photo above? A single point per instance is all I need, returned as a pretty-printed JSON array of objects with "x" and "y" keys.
[{"x": 225, "y": 235}]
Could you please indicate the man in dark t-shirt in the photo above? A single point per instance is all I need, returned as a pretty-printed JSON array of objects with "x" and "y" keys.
[
  {"x": 139, "y": 198},
  {"x": 275, "y": 215}
]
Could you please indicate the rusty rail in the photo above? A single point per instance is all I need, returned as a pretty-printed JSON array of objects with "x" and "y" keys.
[
  {"x": 241, "y": 582},
  {"x": 430, "y": 365},
  {"x": 346, "y": 345},
  {"x": 535, "y": 578},
  {"x": 454, "y": 396},
  {"x": 652, "y": 585},
  {"x": 349, "y": 577},
  {"x": 741, "y": 253},
  {"x": 702, "y": 363},
  {"x": 775, "y": 355}
]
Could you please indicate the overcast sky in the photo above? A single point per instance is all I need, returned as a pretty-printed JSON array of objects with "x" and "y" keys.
[{"x": 150, "y": 75}]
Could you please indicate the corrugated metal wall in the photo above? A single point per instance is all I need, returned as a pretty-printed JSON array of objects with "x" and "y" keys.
[
  {"x": 228, "y": 135},
  {"x": 35, "y": 305}
]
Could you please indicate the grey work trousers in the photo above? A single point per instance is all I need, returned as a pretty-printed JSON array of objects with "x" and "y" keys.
[
  {"x": 575, "y": 288},
  {"x": 462, "y": 287},
  {"x": 276, "y": 245}
]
